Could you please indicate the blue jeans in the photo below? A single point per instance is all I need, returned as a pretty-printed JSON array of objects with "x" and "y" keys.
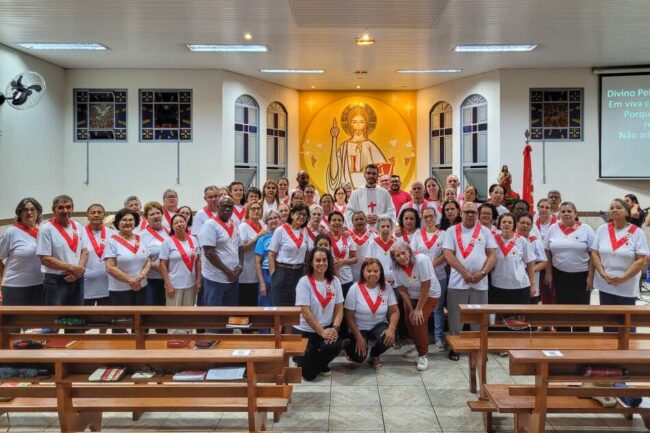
[
  {"x": 32, "y": 295},
  {"x": 609, "y": 299},
  {"x": 57, "y": 291},
  {"x": 439, "y": 312},
  {"x": 265, "y": 301},
  {"x": 152, "y": 294},
  {"x": 217, "y": 294}
]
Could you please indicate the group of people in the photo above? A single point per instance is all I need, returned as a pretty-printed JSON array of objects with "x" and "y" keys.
[{"x": 369, "y": 268}]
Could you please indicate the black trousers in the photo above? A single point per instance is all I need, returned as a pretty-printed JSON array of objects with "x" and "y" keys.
[
  {"x": 497, "y": 295},
  {"x": 283, "y": 286},
  {"x": 317, "y": 355},
  {"x": 571, "y": 289},
  {"x": 248, "y": 294},
  {"x": 373, "y": 335}
]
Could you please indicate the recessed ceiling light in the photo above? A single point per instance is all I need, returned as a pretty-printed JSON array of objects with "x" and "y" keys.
[
  {"x": 427, "y": 71},
  {"x": 313, "y": 87},
  {"x": 248, "y": 36},
  {"x": 62, "y": 46},
  {"x": 365, "y": 40},
  {"x": 293, "y": 71},
  {"x": 358, "y": 86},
  {"x": 494, "y": 48},
  {"x": 228, "y": 48}
]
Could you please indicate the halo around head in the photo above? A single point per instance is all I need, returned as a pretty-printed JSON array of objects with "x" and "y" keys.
[{"x": 370, "y": 114}]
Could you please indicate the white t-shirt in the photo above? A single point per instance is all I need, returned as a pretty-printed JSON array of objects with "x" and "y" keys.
[
  {"x": 363, "y": 315},
  {"x": 617, "y": 262},
  {"x": 422, "y": 271},
  {"x": 501, "y": 209},
  {"x": 381, "y": 252},
  {"x": 570, "y": 251},
  {"x": 362, "y": 244},
  {"x": 311, "y": 237},
  {"x": 288, "y": 250},
  {"x": 238, "y": 214},
  {"x": 305, "y": 296},
  {"x": 167, "y": 218},
  {"x": 543, "y": 228},
  {"x": 23, "y": 266},
  {"x": 246, "y": 233},
  {"x": 51, "y": 243},
  {"x": 153, "y": 244},
  {"x": 180, "y": 276},
  {"x": 510, "y": 271},
  {"x": 226, "y": 243},
  {"x": 341, "y": 250},
  {"x": 96, "y": 277},
  {"x": 540, "y": 256},
  {"x": 126, "y": 260},
  {"x": 475, "y": 259},
  {"x": 200, "y": 218},
  {"x": 268, "y": 207},
  {"x": 430, "y": 247}
]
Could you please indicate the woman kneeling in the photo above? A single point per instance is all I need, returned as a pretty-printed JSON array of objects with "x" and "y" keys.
[{"x": 371, "y": 314}]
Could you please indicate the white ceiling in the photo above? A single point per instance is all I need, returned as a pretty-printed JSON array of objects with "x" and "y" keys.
[{"x": 321, "y": 33}]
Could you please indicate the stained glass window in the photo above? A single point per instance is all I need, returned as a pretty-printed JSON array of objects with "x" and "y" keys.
[
  {"x": 440, "y": 139},
  {"x": 100, "y": 114},
  {"x": 246, "y": 140},
  {"x": 276, "y": 141},
  {"x": 556, "y": 114},
  {"x": 165, "y": 115},
  {"x": 474, "y": 143}
]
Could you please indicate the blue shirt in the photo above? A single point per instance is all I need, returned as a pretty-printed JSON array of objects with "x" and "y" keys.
[{"x": 262, "y": 249}]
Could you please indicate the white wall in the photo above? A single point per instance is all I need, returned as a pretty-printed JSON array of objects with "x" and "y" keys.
[
  {"x": 31, "y": 143},
  {"x": 120, "y": 169},
  {"x": 571, "y": 167},
  {"x": 455, "y": 92}
]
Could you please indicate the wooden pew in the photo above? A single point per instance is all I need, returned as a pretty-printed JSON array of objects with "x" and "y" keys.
[
  {"x": 558, "y": 385},
  {"x": 140, "y": 319},
  {"x": 497, "y": 338},
  {"x": 80, "y": 403}
]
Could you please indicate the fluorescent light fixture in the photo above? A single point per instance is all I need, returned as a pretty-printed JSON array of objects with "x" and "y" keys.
[
  {"x": 62, "y": 46},
  {"x": 208, "y": 48},
  {"x": 427, "y": 71},
  {"x": 365, "y": 40},
  {"x": 494, "y": 48},
  {"x": 293, "y": 71}
]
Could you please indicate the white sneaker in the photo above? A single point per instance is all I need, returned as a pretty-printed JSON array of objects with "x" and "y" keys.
[
  {"x": 440, "y": 346},
  {"x": 423, "y": 363},
  {"x": 411, "y": 353}
]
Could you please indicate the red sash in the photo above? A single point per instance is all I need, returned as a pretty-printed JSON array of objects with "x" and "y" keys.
[
  {"x": 155, "y": 234},
  {"x": 569, "y": 230},
  {"x": 209, "y": 213},
  {"x": 297, "y": 241},
  {"x": 311, "y": 234},
  {"x": 408, "y": 269},
  {"x": 342, "y": 210},
  {"x": 429, "y": 242},
  {"x": 187, "y": 259},
  {"x": 256, "y": 228},
  {"x": 338, "y": 253},
  {"x": 229, "y": 228},
  {"x": 322, "y": 300},
  {"x": 324, "y": 221},
  {"x": 33, "y": 232},
  {"x": 168, "y": 217},
  {"x": 73, "y": 242},
  {"x": 505, "y": 249},
  {"x": 405, "y": 237},
  {"x": 239, "y": 213},
  {"x": 359, "y": 240},
  {"x": 532, "y": 238},
  {"x": 99, "y": 248},
  {"x": 459, "y": 240},
  {"x": 372, "y": 305},
  {"x": 539, "y": 224},
  {"x": 384, "y": 245},
  {"x": 133, "y": 248},
  {"x": 143, "y": 223},
  {"x": 617, "y": 243}
]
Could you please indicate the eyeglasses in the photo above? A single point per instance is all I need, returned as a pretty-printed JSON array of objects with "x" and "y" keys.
[{"x": 470, "y": 212}]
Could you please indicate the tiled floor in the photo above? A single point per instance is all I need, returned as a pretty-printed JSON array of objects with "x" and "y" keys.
[{"x": 355, "y": 398}]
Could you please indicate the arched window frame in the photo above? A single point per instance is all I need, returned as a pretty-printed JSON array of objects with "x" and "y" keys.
[
  {"x": 440, "y": 140},
  {"x": 277, "y": 150},
  {"x": 247, "y": 142},
  {"x": 474, "y": 143}
]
